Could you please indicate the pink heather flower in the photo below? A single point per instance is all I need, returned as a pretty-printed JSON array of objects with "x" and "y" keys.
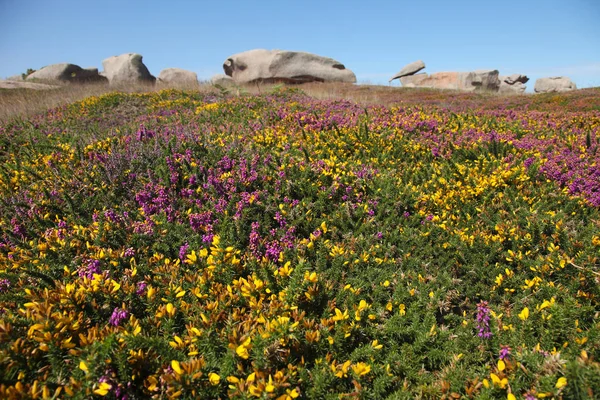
[
  {"x": 504, "y": 352},
  {"x": 141, "y": 288},
  {"x": 118, "y": 316},
  {"x": 90, "y": 268},
  {"x": 183, "y": 251},
  {"x": 483, "y": 320},
  {"x": 4, "y": 285}
]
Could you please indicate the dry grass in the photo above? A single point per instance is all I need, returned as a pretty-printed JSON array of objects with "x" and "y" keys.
[{"x": 16, "y": 103}]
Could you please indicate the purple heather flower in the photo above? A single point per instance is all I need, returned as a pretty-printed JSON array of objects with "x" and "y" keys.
[
  {"x": 129, "y": 252},
  {"x": 527, "y": 163},
  {"x": 183, "y": 251},
  {"x": 406, "y": 214},
  {"x": 4, "y": 285},
  {"x": 118, "y": 316},
  {"x": 254, "y": 244},
  {"x": 90, "y": 268},
  {"x": 141, "y": 288},
  {"x": 272, "y": 251},
  {"x": 281, "y": 219},
  {"x": 111, "y": 215},
  {"x": 483, "y": 320},
  {"x": 504, "y": 352},
  {"x": 143, "y": 133},
  {"x": 208, "y": 238},
  {"x": 18, "y": 229}
]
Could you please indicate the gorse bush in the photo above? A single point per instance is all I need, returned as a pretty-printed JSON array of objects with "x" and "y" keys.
[
  {"x": 184, "y": 245},
  {"x": 27, "y": 73}
]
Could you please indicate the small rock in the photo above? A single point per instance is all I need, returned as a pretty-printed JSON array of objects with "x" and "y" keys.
[{"x": 222, "y": 80}]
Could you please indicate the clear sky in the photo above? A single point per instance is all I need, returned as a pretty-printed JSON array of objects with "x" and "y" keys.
[{"x": 374, "y": 38}]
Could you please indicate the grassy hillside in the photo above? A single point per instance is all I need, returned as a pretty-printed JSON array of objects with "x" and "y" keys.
[{"x": 201, "y": 245}]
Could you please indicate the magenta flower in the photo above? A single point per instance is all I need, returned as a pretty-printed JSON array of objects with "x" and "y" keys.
[
  {"x": 4, "y": 285},
  {"x": 483, "y": 320},
  {"x": 118, "y": 316},
  {"x": 504, "y": 352},
  {"x": 141, "y": 288}
]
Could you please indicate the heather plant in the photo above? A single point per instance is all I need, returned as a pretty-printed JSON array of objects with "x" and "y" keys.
[{"x": 198, "y": 245}]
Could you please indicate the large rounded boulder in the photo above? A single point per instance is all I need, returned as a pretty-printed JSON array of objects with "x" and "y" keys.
[
  {"x": 554, "y": 84},
  {"x": 285, "y": 66},
  {"x": 513, "y": 84},
  {"x": 65, "y": 72},
  {"x": 480, "y": 80},
  {"x": 126, "y": 69},
  {"x": 178, "y": 76}
]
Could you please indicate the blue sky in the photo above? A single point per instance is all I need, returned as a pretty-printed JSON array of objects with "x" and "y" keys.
[{"x": 373, "y": 38}]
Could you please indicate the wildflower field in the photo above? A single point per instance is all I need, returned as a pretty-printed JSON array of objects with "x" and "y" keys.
[{"x": 186, "y": 245}]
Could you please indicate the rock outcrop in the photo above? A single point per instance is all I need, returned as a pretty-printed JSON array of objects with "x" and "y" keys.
[
  {"x": 12, "y": 84},
  {"x": 65, "y": 72},
  {"x": 413, "y": 80},
  {"x": 177, "y": 76},
  {"x": 514, "y": 84},
  {"x": 554, "y": 84},
  {"x": 126, "y": 69},
  {"x": 481, "y": 80},
  {"x": 285, "y": 66},
  {"x": 409, "y": 69}
]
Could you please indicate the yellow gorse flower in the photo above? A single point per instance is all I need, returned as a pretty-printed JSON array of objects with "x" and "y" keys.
[
  {"x": 214, "y": 379},
  {"x": 524, "y": 314},
  {"x": 361, "y": 368},
  {"x": 242, "y": 349}
]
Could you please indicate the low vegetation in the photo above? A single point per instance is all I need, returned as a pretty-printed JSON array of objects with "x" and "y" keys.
[{"x": 186, "y": 244}]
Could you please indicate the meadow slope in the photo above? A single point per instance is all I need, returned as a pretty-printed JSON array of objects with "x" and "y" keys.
[{"x": 179, "y": 244}]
